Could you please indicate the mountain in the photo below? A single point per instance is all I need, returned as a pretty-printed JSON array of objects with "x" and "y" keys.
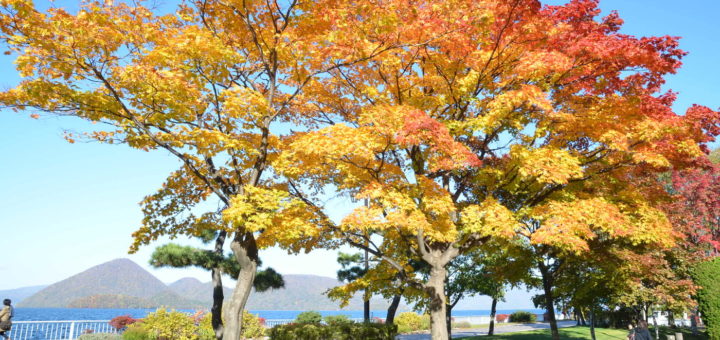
[
  {"x": 123, "y": 284},
  {"x": 117, "y": 277},
  {"x": 19, "y": 294},
  {"x": 301, "y": 292},
  {"x": 305, "y": 292},
  {"x": 192, "y": 288}
]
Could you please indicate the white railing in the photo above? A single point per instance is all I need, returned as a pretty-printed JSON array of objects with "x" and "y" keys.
[
  {"x": 270, "y": 323},
  {"x": 58, "y": 330}
]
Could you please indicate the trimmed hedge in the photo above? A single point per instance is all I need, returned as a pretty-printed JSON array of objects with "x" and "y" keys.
[
  {"x": 707, "y": 276},
  {"x": 523, "y": 317},
  {"x": 342, "y": 331}
]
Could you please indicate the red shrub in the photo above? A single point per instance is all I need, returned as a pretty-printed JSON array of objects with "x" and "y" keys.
[
  {"x": 122, "y": 321},
  {"x": 502, "y": 317}
]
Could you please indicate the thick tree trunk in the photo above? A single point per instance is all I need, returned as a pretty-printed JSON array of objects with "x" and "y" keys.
[
  {"x": 493, "y": 310},
  {"x": 245, "y": 251},
  {"x": 390, "y": 317},
  {"x": 218, "y": 294},
  {"x": 435, "y": 288},
  {"x": 549, "y": 301},
  {"x": 694, "y": 321},
  {"x": 592, "y": 322}
]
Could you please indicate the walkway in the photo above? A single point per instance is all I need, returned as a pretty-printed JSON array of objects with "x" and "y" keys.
[{"x": 458, "y": 333}]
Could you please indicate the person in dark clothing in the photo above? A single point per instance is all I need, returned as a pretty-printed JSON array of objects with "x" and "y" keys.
[
  {"x": 6, "y": 315},
  {"x": 642, "y": 332}
]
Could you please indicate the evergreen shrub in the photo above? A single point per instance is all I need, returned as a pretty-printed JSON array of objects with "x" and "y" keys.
[
  {"x": 707, "y": 276},
  {"x": 309, "y": 317},
  {"x": 524, "y": 317}
]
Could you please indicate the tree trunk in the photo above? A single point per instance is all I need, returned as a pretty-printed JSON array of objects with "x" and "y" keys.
[
  {"x": 657, "y": 330},
  {"x": 216, "y": 309},
  {"x": 582, "y": 317},
  {"x": 366, "y": 310},
  {"x": 218, "y": 294},
  {"x": 592, "y": 322},
  {"x": 671, "y": 320},
  {"x": 576, "y": 313},
  {"x": 390, "y": 317},
  {"x": 435, "y": 288},
  {"x": 448, "y": 320},
  {"x": 694, "y": 321},
  {"x": 366, "y": 302},
  {"x": 245, "y": 251},
  {"x": 549, "y": 301},
  {"x": 493, "y": 310}
]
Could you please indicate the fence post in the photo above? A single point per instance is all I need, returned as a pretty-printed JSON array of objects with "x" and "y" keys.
[{"x": 72, "y": 330}]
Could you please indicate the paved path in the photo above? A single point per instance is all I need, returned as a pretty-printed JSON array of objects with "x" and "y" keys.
[{"x": 458, "y": 333}]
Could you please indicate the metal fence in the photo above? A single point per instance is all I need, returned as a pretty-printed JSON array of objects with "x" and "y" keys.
[
  {"x": 270, "y": 323},
  {"x": 57, "y": 330},
  {"x": 72, "y": 329}
]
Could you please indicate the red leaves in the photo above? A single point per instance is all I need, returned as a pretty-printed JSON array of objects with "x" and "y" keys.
[
  {"x": 421, "y": 129},
  {"x": 696, "y": 209}
]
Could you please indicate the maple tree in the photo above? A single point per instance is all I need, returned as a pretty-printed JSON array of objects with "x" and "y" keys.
[
  {"x": 518, "y": 121},
  {"x": 463, "y": 123},
  {"x": 209, "y": 84}
]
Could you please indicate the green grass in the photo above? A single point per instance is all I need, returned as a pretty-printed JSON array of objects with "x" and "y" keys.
[
  {"x": 565, "y": 333},
  {"x": 576, "y": 333}
]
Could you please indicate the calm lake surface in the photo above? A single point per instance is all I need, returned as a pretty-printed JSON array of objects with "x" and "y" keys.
[{"x": 49, "y": 314}]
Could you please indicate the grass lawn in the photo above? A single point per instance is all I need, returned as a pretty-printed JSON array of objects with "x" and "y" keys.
[{"x": 575, "y": 333}]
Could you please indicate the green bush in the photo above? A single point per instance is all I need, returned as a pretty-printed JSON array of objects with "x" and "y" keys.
[
  {"x": 408, "y": 322},
  {"x": 205, "y": 330},
  {"x": 523, "y": 317},
  {"x": 309, "y": 317},
  {"x": 425, "y": 322},
  {"x": 337, "y": 320},
  {"x": 707, "y": 276},
  {"x": 252, "y": 326},
  {"x": 100, "y": 336},
  {"x": 342, "y": 331},
  {"x": 135, "y": 332},
  {"x": 170, "y": 325}
]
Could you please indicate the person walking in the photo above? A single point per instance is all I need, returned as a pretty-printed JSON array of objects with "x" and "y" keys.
[{"x": 6, "y": 315}]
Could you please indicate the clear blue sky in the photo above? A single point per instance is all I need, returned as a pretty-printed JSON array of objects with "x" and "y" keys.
[{"x": 64, "y": 208}]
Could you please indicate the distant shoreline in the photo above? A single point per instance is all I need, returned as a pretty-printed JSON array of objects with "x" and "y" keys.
[{"x": 51, "y": 314}]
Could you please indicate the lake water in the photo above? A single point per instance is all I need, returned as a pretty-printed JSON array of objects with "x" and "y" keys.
[{"x": 48, "y": 314}]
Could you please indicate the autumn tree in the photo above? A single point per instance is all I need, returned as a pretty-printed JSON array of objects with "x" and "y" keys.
[
  {"x": 214, "y": 84},
  {"x": 507, "y": 123}
]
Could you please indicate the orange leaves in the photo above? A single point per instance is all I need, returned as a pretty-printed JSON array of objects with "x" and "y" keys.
[{"x": 571, "y": 225}]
